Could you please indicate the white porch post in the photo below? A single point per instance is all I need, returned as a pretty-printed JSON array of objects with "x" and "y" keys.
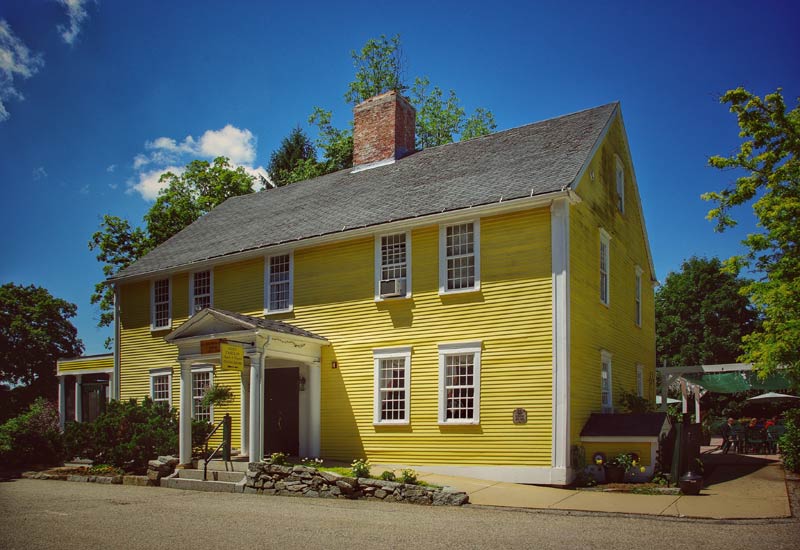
[
  {"x": 244, "y": 410},
  {"x": 185, "y": 422},
  {"x": 110, "y": 389},
  {"x": 62, "y": 401},
  {"x": 78, "y": 400},
  {"x": 256, "y": 397},
  {"x": 314, "y": 390}
]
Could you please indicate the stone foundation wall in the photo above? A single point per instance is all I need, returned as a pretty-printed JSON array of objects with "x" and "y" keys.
[{"x": 273, "y": 479}]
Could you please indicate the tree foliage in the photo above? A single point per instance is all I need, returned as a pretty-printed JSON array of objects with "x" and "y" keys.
[
  {"x": 768, "y": 161},
  {"x": 701, "y": 315},
  {"x": 202, "y": 186},
  {"x": 379, "y": 68},
  {"x": 33, "y": 437},
  {"x": 35, "y": 331},
  {"x": 296, "y": 154}
]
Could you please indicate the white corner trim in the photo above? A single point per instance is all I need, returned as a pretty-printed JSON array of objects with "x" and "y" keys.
[
  {"x": 378, "y": 354},
  {"x": 378, "y": 265},
  {"x": 559, "y": 221},
  {"x": 476, "y": 231}
]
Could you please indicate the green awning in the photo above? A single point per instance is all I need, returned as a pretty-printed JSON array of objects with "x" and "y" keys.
[{"x": 735, "y": 382}]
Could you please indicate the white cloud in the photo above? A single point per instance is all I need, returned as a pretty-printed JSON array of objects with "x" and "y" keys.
[
  {"x": 16, "y": 60},
  {"x": 149, "y": 185},
  {"x": 39, "y": 173},
  {"x": 76, "y": 11},
  {"x": 113, "y": 185},
  {"x": 111, "y": 168},
  {"x": 84, "y": 190},
  {"x": 166, "y": 153}
]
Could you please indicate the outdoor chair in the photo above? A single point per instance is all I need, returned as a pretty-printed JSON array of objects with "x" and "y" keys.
[
  {"x": 738, "y": 438},
  {"x": 756, "y": 441},
  {"x": 774, "y": 433}
]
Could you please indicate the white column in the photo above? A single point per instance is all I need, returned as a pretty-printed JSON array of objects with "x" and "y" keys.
[
  {"x": 110, "y": 389},
  {"x": 256, "y": 397},
  {"x": 62, "y": 401},
  {"x": 559, "y": 226},
  {"x": 244, "y": 410},
  {"x": 185, "y": 411},
  {"x": 78, "y": 400},
  {"x": 314, "y": 389}
]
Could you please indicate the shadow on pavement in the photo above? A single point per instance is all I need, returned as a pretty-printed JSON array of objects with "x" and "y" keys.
[{"x": 720, "y": 468}]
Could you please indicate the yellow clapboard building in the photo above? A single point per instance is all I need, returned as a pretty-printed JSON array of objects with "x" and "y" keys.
[{"x": 462, "y": 309}]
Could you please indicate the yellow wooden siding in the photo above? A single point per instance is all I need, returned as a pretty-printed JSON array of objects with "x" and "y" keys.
[
  {"x": 143, "y": 350},
  {"x": 334, "y": 297},
  {"x": 614, "y": 448},
  {"x": 86, "y": 363},
  {"x": 595, "y": 326}
]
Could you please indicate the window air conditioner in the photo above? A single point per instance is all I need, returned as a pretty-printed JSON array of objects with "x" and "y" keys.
[{"x": 393, "y": 288}]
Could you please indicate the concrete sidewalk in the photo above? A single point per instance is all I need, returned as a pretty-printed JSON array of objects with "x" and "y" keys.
[{"x": 737, "y": 487}]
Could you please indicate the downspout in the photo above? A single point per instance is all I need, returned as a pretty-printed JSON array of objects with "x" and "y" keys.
[{"x": 115, "y": 389}]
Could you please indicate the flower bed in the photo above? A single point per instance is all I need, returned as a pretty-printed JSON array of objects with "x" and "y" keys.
[{"x": 279, "y": 479}]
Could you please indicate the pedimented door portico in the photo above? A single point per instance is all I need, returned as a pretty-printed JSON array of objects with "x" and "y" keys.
[{"x": 265, "y": 343}]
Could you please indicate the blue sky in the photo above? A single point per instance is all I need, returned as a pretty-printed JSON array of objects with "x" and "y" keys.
[{"x": 99, "y": 96}]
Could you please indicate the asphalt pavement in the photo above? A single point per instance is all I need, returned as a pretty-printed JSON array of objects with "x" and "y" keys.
[{"x": 62, "y": 515}]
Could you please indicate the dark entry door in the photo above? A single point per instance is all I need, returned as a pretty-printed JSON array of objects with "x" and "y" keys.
[{"x": 281, "y": 411}]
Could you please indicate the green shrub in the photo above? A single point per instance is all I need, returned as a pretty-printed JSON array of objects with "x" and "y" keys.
[
  {"x": 360, "y": 468},
  {"x": 789, "y": 442},
  {"x": 408, "y": 476},
  {"x": 388, "y": 475},
  {"x": 277, "y": 458},
  {"x": 33, "y": 437},
  {"x": 127, "y": 435},
  {"x": 635, "y": 404}
]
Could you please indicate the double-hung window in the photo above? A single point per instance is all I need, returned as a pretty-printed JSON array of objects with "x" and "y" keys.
[
  {"x": 201, "y": 289},
  {"x": 606, "y": 395},
  {"x": 161, "y": 386},
  {"x": 620, "y": 179},
  {"x": 160, "y": 310},
  {"x": 605, "y": 263},
  {"x": 278, "y": 287},
  {"x": 459, "y": 257},
  {"x": 638, "y": 297},
  {"x": 392, "y": 385},
  {"x": 201, "y": 381},
  {"x": 392, "y": 266},
  {"x": 459, "y": 383}
]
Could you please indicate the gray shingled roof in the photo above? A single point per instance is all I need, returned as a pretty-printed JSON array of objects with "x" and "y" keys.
[
  {"x": 624, "y": 425},
  {"x": 530, "y": 160}
]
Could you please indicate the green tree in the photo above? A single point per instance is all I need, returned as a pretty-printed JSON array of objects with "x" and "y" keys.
[
  {"x": 35, "y": 331},
  {"x": 187, "y": 196},
  {"x": 701, "y": 315},
  {"x": 379, "y": 67},
  {"x": 768, "y": 161},
  {"x": 295, "y": 157}
]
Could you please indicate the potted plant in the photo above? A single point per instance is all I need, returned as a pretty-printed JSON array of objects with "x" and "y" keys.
[{"x": 618, "y": 466}]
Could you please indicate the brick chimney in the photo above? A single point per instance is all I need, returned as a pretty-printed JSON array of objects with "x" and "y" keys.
[{"x": 383, "y": 129}]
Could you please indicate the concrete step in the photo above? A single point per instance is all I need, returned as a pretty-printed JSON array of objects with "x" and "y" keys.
[
  {"x": 213, "y": 475},
  {"x": 200, "y": 485},
  {"x": 238, "y": 465}
]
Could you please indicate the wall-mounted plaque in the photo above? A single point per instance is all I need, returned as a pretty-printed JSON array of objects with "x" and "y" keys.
[{"x": 520, "y": 416}]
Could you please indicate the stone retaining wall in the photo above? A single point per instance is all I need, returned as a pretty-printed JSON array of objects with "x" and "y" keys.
[{"x": 273, "y": 479}]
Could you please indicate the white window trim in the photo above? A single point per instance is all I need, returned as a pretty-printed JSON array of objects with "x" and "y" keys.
[
  {"x": 204, "y": 368},
  {"x": 476, "y": 232},
  {"x": 458, "y": 348},
  {"x": 605, "y": 239},
  {"x": 191, "y": 288},
  {"x": 391, "y": 353},
  {"x": 267, "y": 280},
  {"x": 637, "y": 290},
  {"x": 378, "y": 266},
  {"x": 619, "y": 190},
  {"x": 605, "y": 357},
  {"x": 153, "y": 327},
  {"x": 161, "y": 372},
  {"x": 640, "y": 380}
]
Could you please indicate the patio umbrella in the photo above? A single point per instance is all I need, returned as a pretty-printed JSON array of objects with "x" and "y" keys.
[{"x": 772, "y": 397}]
